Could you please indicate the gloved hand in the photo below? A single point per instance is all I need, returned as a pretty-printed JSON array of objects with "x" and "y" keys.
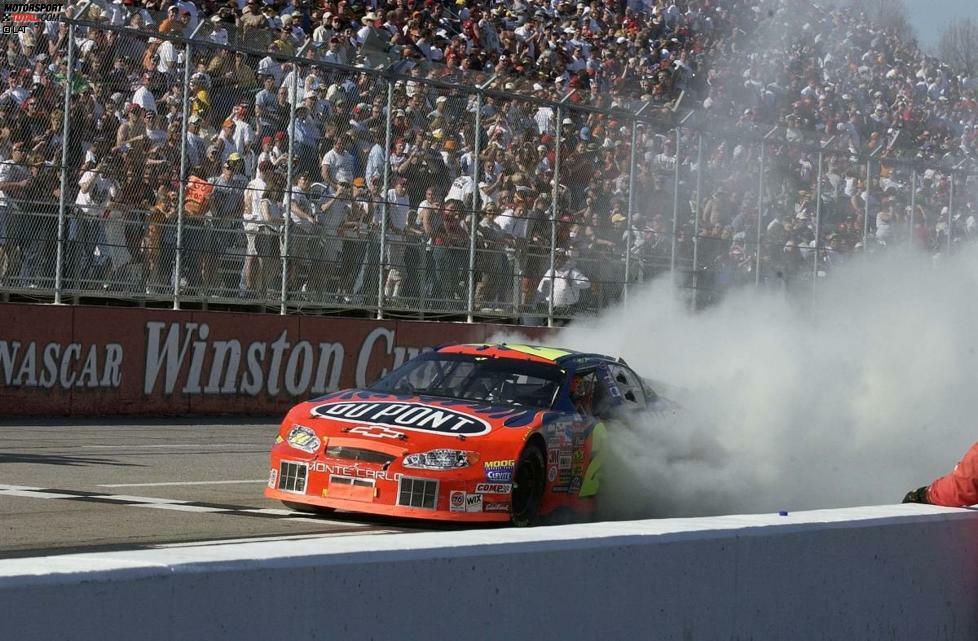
[{"x": 916, "y": 496}]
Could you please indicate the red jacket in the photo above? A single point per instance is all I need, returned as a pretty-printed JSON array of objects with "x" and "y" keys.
[{"x": 960, "y": 487}]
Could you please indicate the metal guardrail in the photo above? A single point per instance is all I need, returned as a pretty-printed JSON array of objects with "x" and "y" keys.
[{"x": 188, "y": 205}]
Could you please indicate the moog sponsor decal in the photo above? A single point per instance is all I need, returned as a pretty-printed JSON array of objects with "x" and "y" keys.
[{"x": 499, "y": 471}]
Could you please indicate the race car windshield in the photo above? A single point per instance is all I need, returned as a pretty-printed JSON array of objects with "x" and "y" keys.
[{"x": 498, "y": 381}]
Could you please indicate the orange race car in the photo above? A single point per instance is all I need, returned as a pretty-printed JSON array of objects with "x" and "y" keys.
[{"x": 463, "y": 433}]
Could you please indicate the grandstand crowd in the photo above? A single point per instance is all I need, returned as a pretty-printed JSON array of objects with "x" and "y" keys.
[{"x": 819, "y": 74}]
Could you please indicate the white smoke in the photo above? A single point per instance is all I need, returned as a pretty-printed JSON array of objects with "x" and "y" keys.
[{"x": 851, "y": 397}]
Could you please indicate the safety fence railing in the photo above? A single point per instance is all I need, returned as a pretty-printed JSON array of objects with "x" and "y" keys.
[{"x": 194, "y": 171}]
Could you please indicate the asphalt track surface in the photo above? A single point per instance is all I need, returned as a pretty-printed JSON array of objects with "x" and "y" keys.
[{"x": 111, "y": 484}]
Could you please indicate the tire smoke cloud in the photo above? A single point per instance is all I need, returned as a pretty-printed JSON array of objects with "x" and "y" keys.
[{"x": 849, "y": 397}]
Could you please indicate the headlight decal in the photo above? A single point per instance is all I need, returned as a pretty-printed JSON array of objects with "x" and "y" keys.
[
  {"x": 303, "y": 438},
  {"x": 441, "y": 459}
]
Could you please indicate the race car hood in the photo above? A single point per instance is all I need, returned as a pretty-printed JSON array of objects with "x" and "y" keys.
[{"x": 347, "y": 412}]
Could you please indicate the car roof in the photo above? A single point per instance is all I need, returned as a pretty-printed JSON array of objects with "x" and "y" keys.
[{"x": 519, "y": 351}]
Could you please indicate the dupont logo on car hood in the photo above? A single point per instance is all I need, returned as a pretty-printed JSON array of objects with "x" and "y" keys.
[{"x": 409, "y": 416}]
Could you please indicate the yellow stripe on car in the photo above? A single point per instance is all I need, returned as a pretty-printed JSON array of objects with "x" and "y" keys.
[{"x": 550, "y": 353}]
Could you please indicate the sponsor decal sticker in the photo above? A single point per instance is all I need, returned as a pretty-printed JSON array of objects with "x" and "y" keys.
[
  {"x": 272, "y": 477},
  {"x": 353, "y": 471},
  {"x": 552, "y": 474},
  {"x": 493, "y": 488},
  {"x": 376, "y": 431},
  {"x": 409, "y": 416},
  {"x": 473, "y": 502},
  {"x": 578, "y": 467},
  {"x": 456, "y": 502},
  {"x": 496, "y": 507},
  {"x": 552, "y": 457},
  {"x": 575, "y": 485},
  {"x": 499, "y": 471},
  {"x": 564, "y": 461}
]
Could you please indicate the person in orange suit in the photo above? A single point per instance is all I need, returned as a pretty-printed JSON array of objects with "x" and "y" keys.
[{"x": 957, "y": 489}]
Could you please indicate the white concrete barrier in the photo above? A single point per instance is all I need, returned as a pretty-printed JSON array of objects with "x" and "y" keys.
[{"x": 898, "y": 573}]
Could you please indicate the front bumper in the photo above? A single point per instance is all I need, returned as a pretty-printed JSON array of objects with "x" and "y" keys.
[{"x": 396, "y": 492}]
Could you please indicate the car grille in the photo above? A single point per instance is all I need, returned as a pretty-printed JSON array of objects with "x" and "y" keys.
[
  {"x": 352, "y": 482},
  {"x": 421, "y": 493},
  {"x": 358, "y": 454},
  {"x": 292, "y": 477}
]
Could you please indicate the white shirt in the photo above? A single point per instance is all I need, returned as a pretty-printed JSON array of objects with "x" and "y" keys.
[
  {"x": 191, "y": 8},
  {"x": 144, "y": 98},
  {"x": 567, "y": 285},
  {"x": 252, "y": 212},
  {"x": 301, "y": 201},
  {"x": 397, "y": 211},
  {"x": 167, "y": 54},
  {"x": 12, "y": 172},
  {"x": 512, "y": 225},
  {"x": 268, "y": 66},
  {"x": 340, "y": 165},
  {"x": 375, "y": 162},
  {"x": 243, "y": 136}
]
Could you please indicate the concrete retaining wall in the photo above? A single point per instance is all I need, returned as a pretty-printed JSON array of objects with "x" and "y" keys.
[{"x": 891, "y": 572}]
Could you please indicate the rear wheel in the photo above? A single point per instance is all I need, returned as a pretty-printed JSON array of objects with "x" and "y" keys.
[
  {"x": 529, "y": 480},
  {"x": 308, "y": 509}
]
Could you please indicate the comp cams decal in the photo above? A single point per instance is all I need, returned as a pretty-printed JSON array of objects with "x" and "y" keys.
[
  {"x": 407, "y": 416},
  {"x": 493, "y": 488}
]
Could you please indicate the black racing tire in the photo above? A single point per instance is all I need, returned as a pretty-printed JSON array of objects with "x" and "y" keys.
[
  {"x": 308, "y": 509},
  {"x": 529, "y": 481}
]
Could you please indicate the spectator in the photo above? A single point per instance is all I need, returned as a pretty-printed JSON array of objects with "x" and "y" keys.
[
  {"x": 253, "y": 219},
  {"x": 562, "y": 285},
  {"x": 397, "y": 207},
  {"x": 268, "y": 238},
  {"x": 872, "y": 90},
  {"x": 15, "y": 178},
  {"x": 337, "y": 164}
]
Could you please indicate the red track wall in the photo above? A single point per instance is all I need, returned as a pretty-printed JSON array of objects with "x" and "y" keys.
[{"x": 101, "y": 360}]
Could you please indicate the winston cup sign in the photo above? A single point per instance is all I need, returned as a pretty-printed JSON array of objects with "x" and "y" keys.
[{"x": 99, "y": 360}]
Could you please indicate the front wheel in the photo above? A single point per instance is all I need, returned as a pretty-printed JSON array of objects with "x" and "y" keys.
[
  {"x": 529, "y": 480},
  {"x": 309, "y": 509}
]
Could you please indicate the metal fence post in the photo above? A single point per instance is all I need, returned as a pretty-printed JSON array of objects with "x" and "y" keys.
[
  {"x": 760, "y": 216},
  {"x": 696, "y": 219},
  {"x": 866, "y": 208},
  {"x": 289, "y": 186},
  {"x": 182, "y": 191},
  {"x": 630, "y": 214},
  {"x": 675, "y": 212},
  {"x": 913, "y": 204},
  {"x": 950, "y": 214},
  {"x": 818, "y": 221},
  {"x": 553, "y": 215},
  {"x": 383, "y": 203},
  {"x": 474, "y": 214},
  {"x": 65, "y": 131}
]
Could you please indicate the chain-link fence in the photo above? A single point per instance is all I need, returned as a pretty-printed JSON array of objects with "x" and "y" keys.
[{"x": 240, "y": 167}]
